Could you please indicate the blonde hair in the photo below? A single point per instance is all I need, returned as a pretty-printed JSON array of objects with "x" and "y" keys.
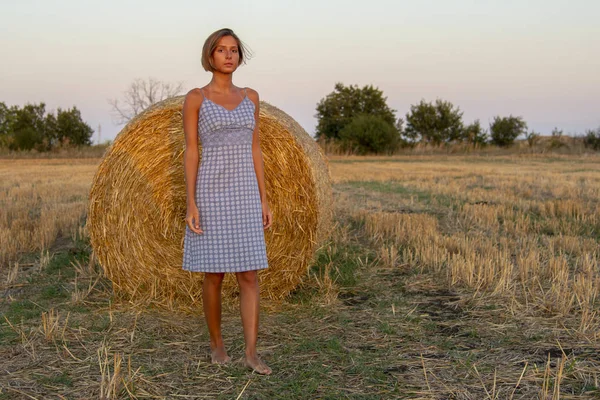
[{"x": 211, "y": 44}]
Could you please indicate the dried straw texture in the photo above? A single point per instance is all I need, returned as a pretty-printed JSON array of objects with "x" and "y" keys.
[{"x": 137, "y": 208}]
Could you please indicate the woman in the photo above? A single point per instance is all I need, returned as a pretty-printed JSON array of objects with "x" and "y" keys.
[{"x": 227, "y": 210}]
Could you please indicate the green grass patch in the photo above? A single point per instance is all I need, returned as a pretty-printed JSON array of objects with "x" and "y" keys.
[
  {"x": 23, "y": 309},
  {"x": 54, "y": 291},
  {"x": 344, "y": 269},
  {"x": 406, "y": 192},
  {"x": 7, "y": 334},
  {"x": 62, "y": 379}
]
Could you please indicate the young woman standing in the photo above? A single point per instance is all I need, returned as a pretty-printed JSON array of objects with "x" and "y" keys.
[{"x": 227, "y": 210}]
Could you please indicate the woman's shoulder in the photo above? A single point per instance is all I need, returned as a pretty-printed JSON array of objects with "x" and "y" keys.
[
  {"x": 194, "y": 97},
  {"x": 251, "y": 92},
  {"x": 252, "y": 95},
  {"x": 194, "y": 93}
]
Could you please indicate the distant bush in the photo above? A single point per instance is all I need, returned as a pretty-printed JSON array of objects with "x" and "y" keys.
[
  {"x": 475, "y": 134},
  {"x": 556, "y": 140},
  {"x": 532, "y": 138},
  {"x": 434, "y": 123},
  {"x": 592, "y": 139},
  {"x": 339, "y": 107},
  {"x": 369, "y": 134},
  {"x": 504, "y": 130}
]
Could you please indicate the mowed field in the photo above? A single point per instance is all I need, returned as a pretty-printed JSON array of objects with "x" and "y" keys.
[{"x": 447, "y": 277}]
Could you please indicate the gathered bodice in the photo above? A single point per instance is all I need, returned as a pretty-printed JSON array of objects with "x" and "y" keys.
[{"x": 218, "y": 126}]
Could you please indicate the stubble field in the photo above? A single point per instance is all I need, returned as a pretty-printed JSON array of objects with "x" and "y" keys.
[{"x": 447, "y": 277}]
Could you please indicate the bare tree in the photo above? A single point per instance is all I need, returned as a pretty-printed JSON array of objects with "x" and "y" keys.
[{"x": 141, "y": 95}]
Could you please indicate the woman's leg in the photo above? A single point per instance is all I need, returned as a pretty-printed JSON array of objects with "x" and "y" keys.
[
  {"x": 249, "y": 307},
  {"x": 211, "y": 301}
]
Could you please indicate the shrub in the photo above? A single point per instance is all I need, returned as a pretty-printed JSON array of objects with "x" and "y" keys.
[
  {"x": 435, "y": 123},
  {"x": 475, "y": 134},
  {"x": 504, "y": 130},
  {"x": 338, "y": 108},
  {"x": 556, "y": 140},
  {"x": 592, "y": 139},
  {"x": 532, "y": 138},
  {"x": 370, "y": 134}
]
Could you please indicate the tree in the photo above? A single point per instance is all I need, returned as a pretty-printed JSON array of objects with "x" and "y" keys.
[
  {"x": 28, "y": 129},
  {"x": 338, "y": 108},
  {"x": 504, "y": 130},
  {"x": 400, "y": 128},
  {"x": 475, "y": 134},
  {"x": 7, "y": 116},
  {"x": 434, "y": 123},
  {"x": 51, "y": 130},
  {"x": 70, "y": 128},
  {"x": 141, "y": 95},
  {"x": 369, "y": 134}
]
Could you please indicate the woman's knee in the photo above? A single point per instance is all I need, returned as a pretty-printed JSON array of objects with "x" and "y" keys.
[
  {"x": 248, "y": 278},
  {"x": 214, "y": 278}
]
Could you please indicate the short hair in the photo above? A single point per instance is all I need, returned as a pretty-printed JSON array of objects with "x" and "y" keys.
[{"x": 211, "y": 44}]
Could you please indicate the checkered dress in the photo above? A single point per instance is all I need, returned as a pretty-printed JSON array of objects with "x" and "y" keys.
[{"x": 227, "y": 194}]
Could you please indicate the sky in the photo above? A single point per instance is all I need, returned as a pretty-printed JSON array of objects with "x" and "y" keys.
[{"x": 536, "y": 59}]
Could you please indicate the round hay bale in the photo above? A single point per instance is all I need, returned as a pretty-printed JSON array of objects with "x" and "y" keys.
[{"x": 137, "y": 208}]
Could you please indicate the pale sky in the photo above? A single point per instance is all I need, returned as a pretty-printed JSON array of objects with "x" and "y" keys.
[{"x": 539, "y": 59}]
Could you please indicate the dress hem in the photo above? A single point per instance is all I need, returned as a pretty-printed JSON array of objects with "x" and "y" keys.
[{"x": 220, "y": 272}]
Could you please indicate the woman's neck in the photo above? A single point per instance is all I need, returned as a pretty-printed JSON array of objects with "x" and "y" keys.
[{"x": 221, "y": 83}]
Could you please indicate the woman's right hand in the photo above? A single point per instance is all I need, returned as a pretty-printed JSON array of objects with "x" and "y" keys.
[{"x": 193, "y": 219}]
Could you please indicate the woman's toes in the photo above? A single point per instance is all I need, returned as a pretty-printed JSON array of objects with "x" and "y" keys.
[
  {"x": 257, "y": 365},
  {"x": 264, "y": 369},
  {"x": 219, "y": 356},
  {"x": 221, "y": 360}
]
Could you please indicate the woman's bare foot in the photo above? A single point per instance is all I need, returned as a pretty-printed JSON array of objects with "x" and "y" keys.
[
  {"x": 257, "y": 365},
  {"x": 218, "y": 355}
]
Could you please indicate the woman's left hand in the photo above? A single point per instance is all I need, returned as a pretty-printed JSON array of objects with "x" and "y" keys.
[{"x": 266, "y": 216}]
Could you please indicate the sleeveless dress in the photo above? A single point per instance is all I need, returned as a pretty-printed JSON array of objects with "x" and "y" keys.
[{"x": 227, "y": 194}]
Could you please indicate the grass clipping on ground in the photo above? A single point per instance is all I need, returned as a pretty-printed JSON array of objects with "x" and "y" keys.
[{"x": 137, "y": 208}]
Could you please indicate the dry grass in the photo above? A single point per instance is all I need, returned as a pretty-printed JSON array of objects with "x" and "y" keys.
[
  {"x": 446, "y": 277},
  {"x": 526, "y": 229},
  {"x": 544, "y": 145},
  {"x": 65, "y": 153},
  {"x": 41, "y": 200}
]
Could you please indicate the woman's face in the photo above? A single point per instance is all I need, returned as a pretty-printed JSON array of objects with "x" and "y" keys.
[{"x": 226, "y": 56}]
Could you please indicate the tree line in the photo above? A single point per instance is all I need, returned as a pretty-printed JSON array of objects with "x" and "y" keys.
[
  {"x": 360, "y": 120},
  {"x": 31, "y": 127}
]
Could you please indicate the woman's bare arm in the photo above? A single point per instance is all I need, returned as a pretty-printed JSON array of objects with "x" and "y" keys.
[
  {"x": 191, "y": 157},
  {"x": 259, "y": 166}
]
